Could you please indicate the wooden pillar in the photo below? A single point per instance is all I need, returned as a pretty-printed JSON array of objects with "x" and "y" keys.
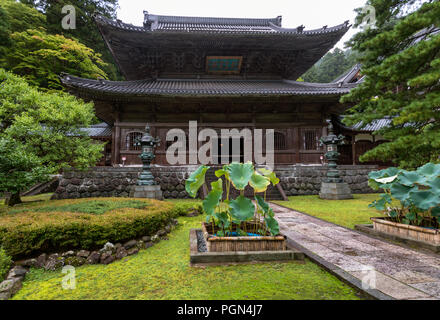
[
  {"x": 113, "y": 157},
  {"x": 116, "y": 134},
  {"x": 117, "y": 144},
  {"x": 297, "y": 144},
  {"x": 353, "y": 148}
]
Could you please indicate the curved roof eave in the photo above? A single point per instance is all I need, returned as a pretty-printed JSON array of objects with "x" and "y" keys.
[
  {"x": 203, "y": 88},
  {"x": 272, "y": 29}
]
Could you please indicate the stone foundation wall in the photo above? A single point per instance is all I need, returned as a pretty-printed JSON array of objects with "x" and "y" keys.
[
  {"x": 117, "y": 182},
  {"x": 306, "y": 179}
]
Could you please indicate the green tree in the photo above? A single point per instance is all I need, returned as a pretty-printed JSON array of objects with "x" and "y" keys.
[
  {"x": 86, "y": 30},
  {"x": 19, "y": 169},
  {"x": 41, "y": 58},
  {"x": 21, "y": 17},
  {"x": 40, "y": 134},
  {"x": 402, "y": 81},
  {"x": 332, "y": 65},
  {"x": 4, "y": 31}
]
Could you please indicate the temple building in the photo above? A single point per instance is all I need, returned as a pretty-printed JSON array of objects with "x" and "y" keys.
[{"x": 222, "y": 73}]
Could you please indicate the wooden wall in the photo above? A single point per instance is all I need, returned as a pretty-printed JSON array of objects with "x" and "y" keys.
[
  {"x": 292, "y": 151},
  {"x": 290, "y": 120}
]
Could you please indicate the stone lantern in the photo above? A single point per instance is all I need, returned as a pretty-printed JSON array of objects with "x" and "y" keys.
[
  {"x": 146, "y": 186},
  {"x": 333, "y": 187}
]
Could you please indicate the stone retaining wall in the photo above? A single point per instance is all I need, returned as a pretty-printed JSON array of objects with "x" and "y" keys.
[
  {"x": 117, "y": 182},
  {"x": 306, "y": 179}
]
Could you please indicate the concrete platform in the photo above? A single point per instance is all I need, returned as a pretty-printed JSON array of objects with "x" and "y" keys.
[
  {"x": 335, "y": 191},
  {"x": 226, "y": 258},
  {"x": 148, "y": 192}
]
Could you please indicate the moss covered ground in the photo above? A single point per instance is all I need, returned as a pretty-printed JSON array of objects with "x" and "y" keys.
[
  {"x": 346, "y": 213},
  {"x": 163, "y": 272}
]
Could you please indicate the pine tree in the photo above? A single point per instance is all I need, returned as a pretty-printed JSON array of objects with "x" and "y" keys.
[{"x": 402, "y": 81}]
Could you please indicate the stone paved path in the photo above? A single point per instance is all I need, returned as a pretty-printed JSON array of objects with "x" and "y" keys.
[{"x": 399, "y": 272}]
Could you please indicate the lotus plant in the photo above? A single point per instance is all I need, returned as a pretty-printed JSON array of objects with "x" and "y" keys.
[
  {"x": 224, "y": 212},
  {"x": 411, "y": 197}
]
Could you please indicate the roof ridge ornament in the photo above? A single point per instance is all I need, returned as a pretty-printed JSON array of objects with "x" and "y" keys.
[
  {"x": 300, "y": 28},
  {"x": 280, "y": 20}
]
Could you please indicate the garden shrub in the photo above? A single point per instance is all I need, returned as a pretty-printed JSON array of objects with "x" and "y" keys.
[
  {"x": 34, "y": 231},
  {"x": 5, "y": 264},
  {"x": 92, "y": 207},
  {"x": 183, "y": 208}
]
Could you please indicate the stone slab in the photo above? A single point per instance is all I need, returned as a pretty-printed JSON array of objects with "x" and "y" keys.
[
  {"x": 392, "y": 287},
  {"x": 401, "y": 272},
  {"x": 432, "y": 288},
  {"x": 335, "y": 191},
  {"x": 148, "y": 192}
]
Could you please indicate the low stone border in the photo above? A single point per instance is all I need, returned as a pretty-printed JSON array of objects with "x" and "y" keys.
[
  {"x": 369, "y": 229},
  {"x": 108, "y": 254},
  {"x": 198, "y": 258}
]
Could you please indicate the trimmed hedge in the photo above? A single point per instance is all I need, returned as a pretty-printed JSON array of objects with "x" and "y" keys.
[
  {"x": 5, "y": 264},
  {"x": 32, "y": 232},
  {"x": 182, "y": 208}
]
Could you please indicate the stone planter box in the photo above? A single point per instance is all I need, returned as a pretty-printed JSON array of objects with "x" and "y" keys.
[
  {"x": 384, "y": 225},
  {"x": 242, "y": 244}
]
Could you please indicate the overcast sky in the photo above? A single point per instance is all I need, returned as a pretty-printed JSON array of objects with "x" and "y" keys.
[{"x": 311, "y": 13}]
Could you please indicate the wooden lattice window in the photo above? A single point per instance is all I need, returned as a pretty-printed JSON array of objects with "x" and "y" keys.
[
  {"x": 280, "y": 141},
  {"x": 310, "y": 139},
  {"x": 131, "y": 139}
]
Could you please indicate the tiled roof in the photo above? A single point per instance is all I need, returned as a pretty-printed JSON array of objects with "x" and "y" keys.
[
  {"x": 374, "y": 126},
  {"x": 179, "y": 23},
  {"x": 350, "y": 76},
  {"x": 98, "y": 130},
  {"x": 371, "y": 127},
  {"x": 194, "y": 87},
  {"x": 424, "y": 34},
  {"x": 158, "y": 23}
]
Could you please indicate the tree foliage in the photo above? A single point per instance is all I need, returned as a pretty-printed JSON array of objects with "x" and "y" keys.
[
  {"x": 22, "y": 17},
  {"x": 86, "y": 30},
  {"x": 332, "y": 65},
  {"x": 4, "y": 31},
  {"x": 40, "y": 133},
  {"x": 402, "y": 81},
  {"x": 40, "y": 58}
]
